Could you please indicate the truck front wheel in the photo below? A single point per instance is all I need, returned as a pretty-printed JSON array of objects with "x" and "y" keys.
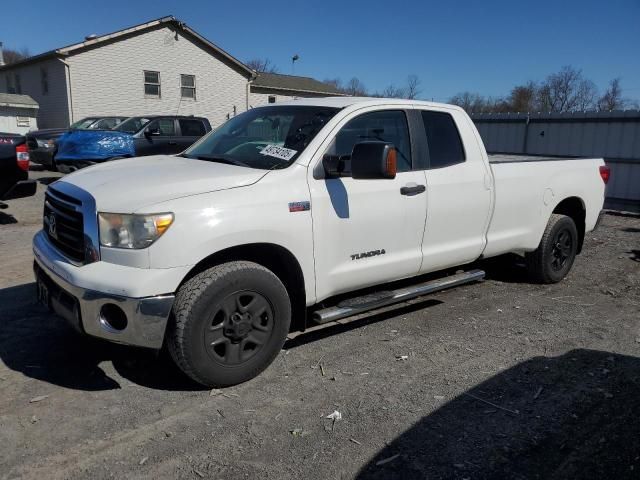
[
  {"x": 553, "y": 258},
  {"x": 230, "y": 323}
]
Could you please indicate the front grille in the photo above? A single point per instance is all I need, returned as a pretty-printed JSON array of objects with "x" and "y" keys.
[{"x": 63, "y": 223}]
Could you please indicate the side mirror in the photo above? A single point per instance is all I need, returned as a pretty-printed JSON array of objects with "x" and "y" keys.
[
  {"x": 151, "y": 131},
  {"x": 373, "y": 160}
]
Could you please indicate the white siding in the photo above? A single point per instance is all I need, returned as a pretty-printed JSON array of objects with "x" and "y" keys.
[
  {"x": 9, "y": 119},
  {"x": 108, "y": 80},
  {"x": 54, "y": 107}
]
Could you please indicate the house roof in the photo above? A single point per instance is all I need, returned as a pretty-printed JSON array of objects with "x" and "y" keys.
[
  {"x": 114, "y": 36},
  {"x": 18, "y": 101},
  {"x": 276, "y": 81}
]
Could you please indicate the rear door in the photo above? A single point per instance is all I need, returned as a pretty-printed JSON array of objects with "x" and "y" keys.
[
  {"x": 191, "y": 129},
  {"x": 458, "y": 191},
  {"x": 160, "y": 140}
]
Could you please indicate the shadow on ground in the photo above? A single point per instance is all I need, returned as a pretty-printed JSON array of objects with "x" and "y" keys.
[
  {"x": 573, "y": 416},
  {"x": 7, "y": 219},
  {"x": 41, "y": 346},
  {"x": 47, "y": 180}
]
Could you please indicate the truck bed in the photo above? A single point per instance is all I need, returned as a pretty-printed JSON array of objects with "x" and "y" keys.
[
  {"x": 528, "y": 186},
  {"x": 511, "y": 158}
]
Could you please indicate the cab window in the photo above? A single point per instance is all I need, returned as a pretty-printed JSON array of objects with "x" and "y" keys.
[
  {"x": 386, "y": 126},
  {"x": 443, "y": 139},
  {"x": 165, "y": 126}
]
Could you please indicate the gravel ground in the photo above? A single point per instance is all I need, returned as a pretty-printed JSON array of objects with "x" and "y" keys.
[{"x": 501, "y": 379}]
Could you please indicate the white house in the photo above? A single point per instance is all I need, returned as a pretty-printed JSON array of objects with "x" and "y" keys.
[
  {"x": 18, "y": 113},
  {"x": 159, "y": 67}
]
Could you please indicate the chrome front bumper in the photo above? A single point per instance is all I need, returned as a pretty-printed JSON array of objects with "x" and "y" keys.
[{"x": 83, "y": 309}]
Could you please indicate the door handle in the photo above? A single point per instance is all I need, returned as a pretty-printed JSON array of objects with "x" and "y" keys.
[
  {"x": 172, "y": 143},
  {"x": 411, "y": 190}
]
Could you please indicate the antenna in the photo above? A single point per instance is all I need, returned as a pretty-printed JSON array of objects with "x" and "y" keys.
[{"x": 294, "y": 59}]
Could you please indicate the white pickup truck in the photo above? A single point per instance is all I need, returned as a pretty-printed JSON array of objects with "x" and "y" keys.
[{"x": 219, "y": 252}]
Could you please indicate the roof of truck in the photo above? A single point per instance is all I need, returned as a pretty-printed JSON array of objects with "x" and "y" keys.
[{"x": 341, "y": 102}]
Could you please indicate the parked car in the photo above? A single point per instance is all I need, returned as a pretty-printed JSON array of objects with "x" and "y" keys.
[
  {"x": 42, "y": 143},
  {"x": 14, "y": 168},
  {"x": 285, "y": 214},
  {"x": 136, "y": 136}
]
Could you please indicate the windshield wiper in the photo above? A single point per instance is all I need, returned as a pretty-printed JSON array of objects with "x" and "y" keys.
[{"x": 219, "y": 159}]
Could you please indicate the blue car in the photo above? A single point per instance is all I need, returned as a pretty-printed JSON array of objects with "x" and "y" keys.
[{"x": 135, "y": 137}]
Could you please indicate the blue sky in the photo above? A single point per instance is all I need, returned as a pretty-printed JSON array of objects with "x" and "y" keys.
[{"x": 480, "y": 46}]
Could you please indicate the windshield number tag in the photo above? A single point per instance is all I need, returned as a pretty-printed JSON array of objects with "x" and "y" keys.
[{"x": 278, "y": 152}]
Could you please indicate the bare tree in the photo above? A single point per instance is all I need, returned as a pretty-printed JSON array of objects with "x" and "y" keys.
[
  {"x": 335, "y": 83},
  {"x": 612, "y": 97},
  {"x": 523, "y": 98},
  {"x": 13, "y": 56},
  {"x": 567, "y": 91},
  {"x": 262, "y": 65},
  {"x": 355, "y": 88},
  {"x": 413, "y": 87},
  {"x": 470, "y": 102},
  {"x": 393, "y": 92}
]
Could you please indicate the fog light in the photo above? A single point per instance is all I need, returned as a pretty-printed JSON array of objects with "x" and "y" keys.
[{"x": 113, "y": 317}]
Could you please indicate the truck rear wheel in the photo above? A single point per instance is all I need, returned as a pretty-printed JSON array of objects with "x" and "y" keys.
[
  {"x": 230, "y": 323},
  {"x": 553, "y": 258}
]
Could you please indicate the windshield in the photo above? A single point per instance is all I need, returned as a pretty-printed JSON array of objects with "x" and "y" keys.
[
  {"x": 266, "y": 137},
  {"x": 84, "y": 123},
  {"x": 132, "y": 125}
]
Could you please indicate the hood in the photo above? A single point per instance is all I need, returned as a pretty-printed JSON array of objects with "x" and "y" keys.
[{"x": 125, "y": 186}]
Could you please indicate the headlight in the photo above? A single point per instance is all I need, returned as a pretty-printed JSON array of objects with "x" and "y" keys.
[
  {"x": 46, "y": 143},
  {"x": 132, "y": 231}
]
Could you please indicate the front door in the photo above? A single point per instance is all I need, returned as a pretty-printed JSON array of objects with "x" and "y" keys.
[
  {"x": 367, "y": 231},
  {"x": 159, "y": 139}
]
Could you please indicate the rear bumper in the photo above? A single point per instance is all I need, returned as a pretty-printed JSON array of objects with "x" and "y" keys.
[
  {"x": 42, "y": 156},
  {"x": 24, "y": 188},
  {"x": 84, "y": 308}
]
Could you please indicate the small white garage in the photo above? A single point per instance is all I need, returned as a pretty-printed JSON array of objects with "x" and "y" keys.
[{"x": 18, "y": 113}]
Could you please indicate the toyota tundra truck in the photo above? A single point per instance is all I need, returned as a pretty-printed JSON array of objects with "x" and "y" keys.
[{"x": 302, "y": 212}]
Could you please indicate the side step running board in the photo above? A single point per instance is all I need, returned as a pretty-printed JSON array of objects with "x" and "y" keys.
[{"x": 355, "y": 306}]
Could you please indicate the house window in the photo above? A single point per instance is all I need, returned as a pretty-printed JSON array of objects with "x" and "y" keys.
[
  {"x": 44, "y": 80},
  {"x": 188, "y": 86},
  {"x": 151, "y": 84},
  {"x": 18, "y": 83},
  {"x": 272, "y": 99},
  {"x": 23, "y": 121}
]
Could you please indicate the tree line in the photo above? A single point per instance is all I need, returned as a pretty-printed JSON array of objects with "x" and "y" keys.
[{"x": 565, "y": 91}]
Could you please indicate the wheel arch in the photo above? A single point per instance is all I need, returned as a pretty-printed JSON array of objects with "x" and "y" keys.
[
  {"x": 574, "y": 208},
  {"x": 274, "y": 257}
]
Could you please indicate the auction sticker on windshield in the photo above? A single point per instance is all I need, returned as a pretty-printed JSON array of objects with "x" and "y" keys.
[{"x": 278, "y": 152}]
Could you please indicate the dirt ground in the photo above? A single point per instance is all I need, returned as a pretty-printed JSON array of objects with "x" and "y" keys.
[{"x": 501, "y": 379}]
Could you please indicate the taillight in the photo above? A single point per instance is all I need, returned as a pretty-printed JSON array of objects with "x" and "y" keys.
[
  {"x": 605, "y": 173},
  {"x": 22, "y": 157}
]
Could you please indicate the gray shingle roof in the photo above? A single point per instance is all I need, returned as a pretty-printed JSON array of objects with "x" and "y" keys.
[
  {"x": 277, "y": 81},
  {"x": 14, "y": 100}
]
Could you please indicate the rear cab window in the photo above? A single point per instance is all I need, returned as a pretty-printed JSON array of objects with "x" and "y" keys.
[
  {"x": 192, "y": 128},
  {"x": 443, "y": 139}
]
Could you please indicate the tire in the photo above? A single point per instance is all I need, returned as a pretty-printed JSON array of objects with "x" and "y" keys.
[
  {"x": 230, "y": 323},
  {"x": 555, "y": 255}
]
